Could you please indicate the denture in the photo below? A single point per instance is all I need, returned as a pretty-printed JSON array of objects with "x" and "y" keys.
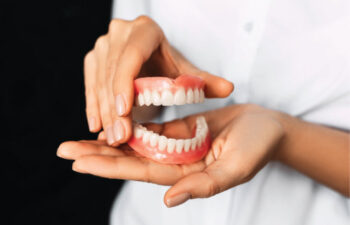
[{"x": 185, "y": 89}]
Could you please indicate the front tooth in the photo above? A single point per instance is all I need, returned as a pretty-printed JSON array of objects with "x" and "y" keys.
[
  {"x": 187, "y": 145},
  {"x": 179, "y": 145},
  {"x": 201, "y": 96},
  {"x": 196, "y": 95},
  {"x": 167, "y": 98},
  {"x": 162, "y": 143},
  {"x": 171, "y": 145},
  {"x": 193, "y": 143},
  {"x": 189, "y": 96},
  {"x": 138, "y": 132},
  {"x": 156, "y": 98},
  {"x": 154, "y": 139},
  {"x": 146, "y": 136},
  {"x": 147, "y": 96},
  {"x": 180, "y": 97},
  {"x": 141, "y": 99}
]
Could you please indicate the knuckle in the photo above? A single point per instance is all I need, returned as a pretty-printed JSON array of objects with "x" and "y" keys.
[
  {"x": 89, "y": 57},
  {"x": 143, "y": 19},
  {"x": 102, "y": 42},
  {"x": 115, "y": 25}
]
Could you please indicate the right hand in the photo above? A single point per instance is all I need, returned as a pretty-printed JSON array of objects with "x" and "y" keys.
[{"x": 131, "y": 48}]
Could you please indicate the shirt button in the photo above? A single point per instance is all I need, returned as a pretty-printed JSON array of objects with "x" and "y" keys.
[{"x": 248, "y": 27}]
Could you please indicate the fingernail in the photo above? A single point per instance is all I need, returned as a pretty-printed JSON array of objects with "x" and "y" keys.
[
  {"x": 77, "y": 168},
  {"x": 178, "y": 199},
  {"x": 91, "y": 123},
  {"x": 110, "y": 136},
  {"x": 120, "y": 103},
  {"x": 118, "y": 130}
]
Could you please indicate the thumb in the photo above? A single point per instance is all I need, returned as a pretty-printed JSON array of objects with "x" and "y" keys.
[
  {"x": 216, "y": 87},
  {"x": 204, "y": 184},
  {"x": 197, "y": 185}
]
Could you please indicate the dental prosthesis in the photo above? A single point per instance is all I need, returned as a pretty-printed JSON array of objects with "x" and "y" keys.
[{"x": 185, "y": 89}]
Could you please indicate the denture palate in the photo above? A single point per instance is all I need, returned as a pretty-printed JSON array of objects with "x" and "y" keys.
[{"x": 185, "y": 89}]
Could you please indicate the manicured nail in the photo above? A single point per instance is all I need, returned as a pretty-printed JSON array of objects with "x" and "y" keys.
[
  {"x": 178, "y": 199},
  {"x": 120, "y": 103},
  {"x": 91, "y": 123},
  {"x": 110, "y": 136},
  {"x": 118, "y": 130}
]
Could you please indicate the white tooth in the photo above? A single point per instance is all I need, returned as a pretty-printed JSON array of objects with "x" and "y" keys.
[
  {"x": 163, "y": 141},
  {"x": 171, "y": 145},
  {"x": 167, "y": 98},
  {"x": 179, "y": 145},
  {"x": 138, "y": 132},
  {"x": 147, "y": 96},
  {"x": 201, "y": 96},
  {"x": 187, "y": 145},
  {"x": 153, "y": 139},
  {"x": 193, "y": 143},
  {"x": 189, "y": 96},
  {"x": 141, "y": 99},
  {"x": 196, "y": 95},
  {"x": 146, "y": 136},
  {"x": 180, "y": 97},
  {"x": 156, "y": 98}
]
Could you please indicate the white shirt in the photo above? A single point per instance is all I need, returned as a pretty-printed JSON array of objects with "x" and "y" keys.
[{"x": 292, "y": 56}]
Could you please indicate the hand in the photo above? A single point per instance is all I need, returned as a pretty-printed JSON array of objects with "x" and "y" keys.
[
  {"x": 131, "y": 48},
  {"x": 244, "y": 140}
]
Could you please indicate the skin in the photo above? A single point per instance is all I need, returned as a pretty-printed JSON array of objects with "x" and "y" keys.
[
  {"x": 245, "y": 139},
  {"x": 131, "y": 49}
]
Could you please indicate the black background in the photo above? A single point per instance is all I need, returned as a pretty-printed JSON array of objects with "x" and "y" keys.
[{"x": 42, "y": 104}]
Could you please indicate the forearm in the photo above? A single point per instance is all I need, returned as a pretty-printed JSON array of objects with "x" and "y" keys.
[{"x": 319, "y": 152}]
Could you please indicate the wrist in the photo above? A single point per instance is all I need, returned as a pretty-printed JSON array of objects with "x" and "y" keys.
[{"x": 287, "y": 123}]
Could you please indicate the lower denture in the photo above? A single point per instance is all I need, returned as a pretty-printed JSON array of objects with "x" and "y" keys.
[{"x": 170, "y": 150}]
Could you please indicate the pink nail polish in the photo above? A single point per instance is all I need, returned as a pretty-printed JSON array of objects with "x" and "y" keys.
[
  {"x": 178, "y": 199},
  {"x": 110, "y": 136},
  {"x": 118, "y": 130},
  {"x": 91, "y": 123},
  {"x": 120, "y": 103}
]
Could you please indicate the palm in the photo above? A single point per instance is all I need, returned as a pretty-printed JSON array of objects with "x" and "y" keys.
[{"x": 124, "y": 163}]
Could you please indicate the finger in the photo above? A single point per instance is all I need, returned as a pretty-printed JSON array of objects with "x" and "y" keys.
[
  {"x": 92, "y": 108},
  {"x": 104, "y": 99},
  {"x": 199, "y": 185},
  {"x": 132, "y": 168},
  {"x": 146, "y": 37},
  {"x": 102, "y": 136},
  {"x": 216, "y": 87},
  {"x": 73, "y": 149}
]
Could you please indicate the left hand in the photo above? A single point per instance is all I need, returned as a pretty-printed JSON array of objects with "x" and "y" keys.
[{"x": 245, "y": 138}]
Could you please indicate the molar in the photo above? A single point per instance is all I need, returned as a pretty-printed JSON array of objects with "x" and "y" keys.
[
  {"x": 201, "y": 96},
  {"x": 196, "y": 95},
  {"x": 193, "y": 143}
]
